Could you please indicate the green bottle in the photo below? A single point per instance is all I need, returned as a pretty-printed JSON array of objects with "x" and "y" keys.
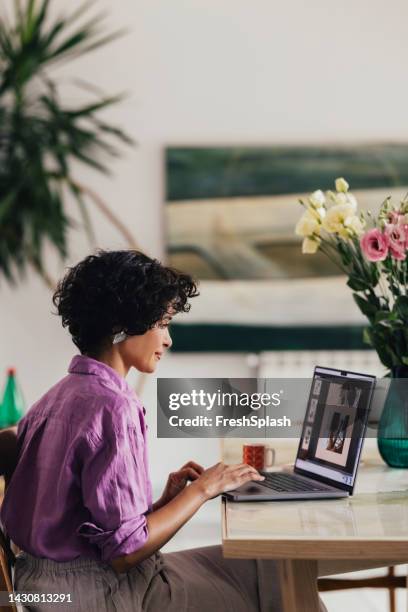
[{"x": 12, "y": 406}]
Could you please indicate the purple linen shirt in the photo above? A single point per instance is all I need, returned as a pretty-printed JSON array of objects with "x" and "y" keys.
[{"x": 81, "y": 486}]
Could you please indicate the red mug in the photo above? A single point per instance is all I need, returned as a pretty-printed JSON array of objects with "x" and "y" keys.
[{"x": 257, "y": 455}]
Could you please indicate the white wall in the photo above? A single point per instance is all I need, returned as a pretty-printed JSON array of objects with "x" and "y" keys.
[{"x": 215, "y": 71}]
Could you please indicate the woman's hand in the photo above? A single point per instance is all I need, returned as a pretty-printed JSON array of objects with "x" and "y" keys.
[
  {"x": 221, "y": 478},
  {"x": 177, "y": 481},
  {"x": 167, "y": 518}
]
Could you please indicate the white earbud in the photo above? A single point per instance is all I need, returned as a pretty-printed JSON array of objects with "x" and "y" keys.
[{"x": 119, "y": 337}]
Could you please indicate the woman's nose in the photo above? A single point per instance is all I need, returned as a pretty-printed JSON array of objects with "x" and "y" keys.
[{"x": 167, "y": 340}]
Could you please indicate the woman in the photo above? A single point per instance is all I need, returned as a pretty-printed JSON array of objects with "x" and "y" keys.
[{"x": 79, "y": 503}]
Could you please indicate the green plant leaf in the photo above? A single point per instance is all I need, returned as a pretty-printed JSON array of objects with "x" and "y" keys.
[
  {"x": 368, "y": 336},
  {"x": 379, "y": 340},
  {"x": 89, "y": 109},
  {"x": 401, "y": 305},
  {"x": 368, "y": 309},
  {"x": 356, "y": 284}
]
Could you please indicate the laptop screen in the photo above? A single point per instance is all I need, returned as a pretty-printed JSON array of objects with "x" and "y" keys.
[{"x": 334, "y": 426}]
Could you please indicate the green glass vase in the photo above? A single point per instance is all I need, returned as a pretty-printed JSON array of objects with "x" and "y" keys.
[{"x": 392, "y": 436}]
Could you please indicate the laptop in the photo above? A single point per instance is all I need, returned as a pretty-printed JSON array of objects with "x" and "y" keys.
[{"x": 330, "y": 444}]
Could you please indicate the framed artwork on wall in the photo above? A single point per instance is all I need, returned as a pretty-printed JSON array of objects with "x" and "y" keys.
[{"x": 230, "y": 215}]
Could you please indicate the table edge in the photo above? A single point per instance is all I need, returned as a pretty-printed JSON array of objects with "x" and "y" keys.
[{"x": 306, "y": 548}]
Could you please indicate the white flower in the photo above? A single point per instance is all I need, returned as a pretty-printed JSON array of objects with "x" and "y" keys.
[
  {"x": 341, "y": 185},
  {"x": 344, "y": 198},
  {"x": 337, "y": 219},
  {"x": 317, "y": 213},
  {"x": 317, "y": 199},
  {"x": 355, "y": 225},
  {"x": 310, "y": 245},
  {"x": 352, "y": 201},
  {"x": 308, "y": 224}
]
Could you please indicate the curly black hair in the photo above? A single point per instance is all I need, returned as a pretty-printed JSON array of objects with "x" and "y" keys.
[{"x": 112, "y": 291}]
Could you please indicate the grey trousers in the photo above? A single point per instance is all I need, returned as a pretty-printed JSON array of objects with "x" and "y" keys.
[{"x": 197, "y": 580}]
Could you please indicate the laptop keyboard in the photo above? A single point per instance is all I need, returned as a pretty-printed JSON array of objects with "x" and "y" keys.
[{"x": 289, "y": 482}]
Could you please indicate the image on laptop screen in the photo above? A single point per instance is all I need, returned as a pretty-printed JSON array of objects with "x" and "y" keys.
[{"x": 334, "y": 425}]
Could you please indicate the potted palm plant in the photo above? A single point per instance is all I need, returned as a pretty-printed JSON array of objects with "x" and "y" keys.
[{"x": 41, "y": 136}]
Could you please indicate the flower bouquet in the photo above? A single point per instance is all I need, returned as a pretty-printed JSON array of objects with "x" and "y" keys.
[{"x": 372, "y": 252}]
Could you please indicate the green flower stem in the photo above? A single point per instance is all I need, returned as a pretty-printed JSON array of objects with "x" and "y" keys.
[{"x": 335, "y": 260}]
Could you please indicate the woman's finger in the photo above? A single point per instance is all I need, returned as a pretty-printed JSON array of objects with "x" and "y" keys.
[
  {"x": 240, "y": 466},
  {"x": 247, "y": 476},
  {"x": 243, "y": 467},
  {"x": 188, "y": 473},
  {"x": 198, "y": 468}
]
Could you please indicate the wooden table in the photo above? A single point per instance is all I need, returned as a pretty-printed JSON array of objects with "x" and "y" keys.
[{"x": 324, "y": 537}]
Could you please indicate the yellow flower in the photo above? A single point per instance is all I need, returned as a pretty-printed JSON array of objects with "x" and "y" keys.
[
  {"x": 308, "y": 224},
  {"x": 317, "y": 199},
  {"x": 341, "y": 185},
  {"x": 355, "y": 225},
  {"x": 318, "y": 213},
  {"x": 310, "y": 245},
  {"x": 337, "y": 218},
  {"x": 343, "y": 198}
]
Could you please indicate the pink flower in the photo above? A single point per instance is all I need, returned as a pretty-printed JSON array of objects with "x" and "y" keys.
[
  {"x": 397, "y": 239},
  {"x": 394, "y": 217},
  {"x": 374, "y": 245}
]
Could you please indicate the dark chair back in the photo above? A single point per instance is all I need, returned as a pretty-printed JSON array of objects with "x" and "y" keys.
[
  {"x": 8, "y": 462},
  {"x": 8, "y": 452}
]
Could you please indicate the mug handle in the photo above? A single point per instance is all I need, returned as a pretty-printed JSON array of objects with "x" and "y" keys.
[{"x": 271, "y": 452}]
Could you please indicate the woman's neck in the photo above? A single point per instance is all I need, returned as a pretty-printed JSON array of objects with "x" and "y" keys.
[{"x": 113, "y": 359}]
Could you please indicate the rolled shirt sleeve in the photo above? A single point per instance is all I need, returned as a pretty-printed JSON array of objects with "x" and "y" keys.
[{"x": 115, "y": 491}]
